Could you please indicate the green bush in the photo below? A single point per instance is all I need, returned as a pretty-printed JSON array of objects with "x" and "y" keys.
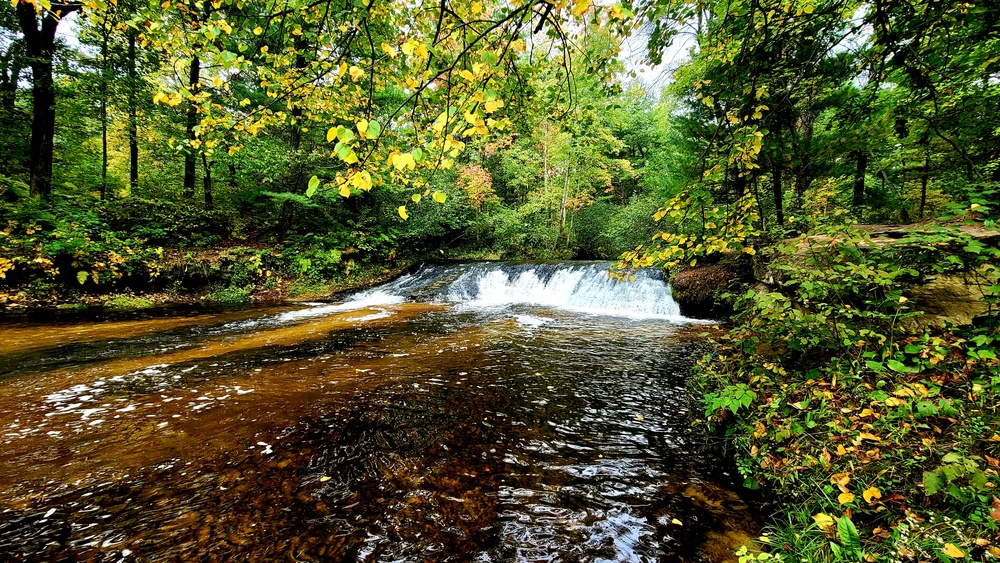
[{"x": 849, "y": 412}]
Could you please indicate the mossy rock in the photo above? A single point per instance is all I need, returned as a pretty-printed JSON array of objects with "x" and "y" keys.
[{"x": 699, "y": 290}]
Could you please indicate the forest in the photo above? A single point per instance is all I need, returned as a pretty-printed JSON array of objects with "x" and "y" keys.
[{"x": 238, "y": 151}]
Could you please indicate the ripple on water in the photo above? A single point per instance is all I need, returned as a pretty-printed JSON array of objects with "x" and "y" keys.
[{"x": 485, "y": 435}]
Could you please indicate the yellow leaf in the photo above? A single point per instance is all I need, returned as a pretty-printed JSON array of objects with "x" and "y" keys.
[
  {"x": 362, "y": 180},
  {"x": 894, "y": 402},
  {"x": 342, "y": 69},
  {"x": 324, "y": 479},
  {"x": 389, "y": 50},
  {"x": 257, "y": 30},
  {"x": 407, "y": 47},
  {"x": 331, "y": 134},
  {"x": 476, "y": 8},
  {"x": 844, "y": 498},
  {"x": 401, "y": 161},
  {"x": 467, "y": 75},
  {"x": 344, "y": 190},
  {"x": 402, "y": 212},
  {"x": 808, "y": 9},
  {"x": 824, "y": 521},
  {"x": 580, "y": 7},
  {"x": 840, "y": 479},
  {"x": 869, "y": 436},
  {"x": 841, "y": 450},
  {"x": 362, "y": 126},
  {"x": 676, "y": 522},
  {"x": 951, "y": 551},
  {"x": 871, "y": 495},
  {"x": 356, "y": 73},
  {"x": 159, "y": 97}
]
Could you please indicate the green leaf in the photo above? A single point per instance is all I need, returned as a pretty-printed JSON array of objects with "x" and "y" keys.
[
  {"x": 952, "y": 457},
  {"x": 439, "y": 196},
  {"x": 877, "y": 367},
  {"x": 418, "y": 154},
  {"x": 343, "y": 151},
  {"x": 313, "y": 185},
  {"x": 82, "y": 276},
  {"x": 345, "y": 135},
  {"x": 415, "y": 198},
  {"x": 926, "y": 408},
  {"x": 951, "y": 472},
  {"x": 897, "y": 366},
  {"x": 374, "y": 129},
  {"x": 932, "y": 482},
  {"x": 850, "y": 541},
  {"x": 946, "y": 408}
]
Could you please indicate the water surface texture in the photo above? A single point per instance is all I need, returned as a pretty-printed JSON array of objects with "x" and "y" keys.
[{"x": 473, "y": 412}]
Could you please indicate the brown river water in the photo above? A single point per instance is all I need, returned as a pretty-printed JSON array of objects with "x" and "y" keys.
[{"x": 474, "y": 412}]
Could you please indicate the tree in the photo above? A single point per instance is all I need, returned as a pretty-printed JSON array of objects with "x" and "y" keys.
[
  {"x": 38, "y": 25},
  {"x": 12, "y": 64}
]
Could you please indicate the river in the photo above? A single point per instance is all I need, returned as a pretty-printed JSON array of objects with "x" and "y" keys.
[{"x": 469, "y": 412}]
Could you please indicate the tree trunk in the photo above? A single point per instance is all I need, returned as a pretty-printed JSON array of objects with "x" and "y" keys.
[
  {"x": 192, "y": 121},
  {"x": 295, "y": 141},
  {"x": 562, "y": 206},
  {"x": 859, "y": 178},
  {"x": 924, "y": 178},
  {"x": 11, "y": 64},
  {"x": 804, "y": 157},
  {"x": 207, "y": 180},
  {"x": 133, "y": 122},
  {"x": 739, "y": 183},
  {"x": 779, "y": 211},
  {"x": 39, "y": 44},
  {"x": 104, "y": 113},
  {"x": 545, "y": 166}
]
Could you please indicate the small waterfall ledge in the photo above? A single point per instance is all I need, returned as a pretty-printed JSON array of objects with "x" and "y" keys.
[{"x": 584, "y": 287}]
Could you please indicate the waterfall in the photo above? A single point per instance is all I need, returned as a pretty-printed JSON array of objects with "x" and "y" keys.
[{"x": 585, "y": 287}]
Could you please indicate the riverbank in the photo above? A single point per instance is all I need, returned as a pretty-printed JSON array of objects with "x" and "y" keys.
[
  {"x": 236, "y": 275},
  {"x": 872, "y": 428}
]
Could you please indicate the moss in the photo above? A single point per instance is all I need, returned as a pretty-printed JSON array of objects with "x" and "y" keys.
[{"x": 127, "y": 302}]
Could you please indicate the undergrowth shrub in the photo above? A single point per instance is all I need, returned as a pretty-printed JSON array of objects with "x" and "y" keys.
[{"x": 833, "y": 395}]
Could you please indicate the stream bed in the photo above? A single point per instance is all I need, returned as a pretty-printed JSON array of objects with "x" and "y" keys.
[{"x": 473, "y": 412}]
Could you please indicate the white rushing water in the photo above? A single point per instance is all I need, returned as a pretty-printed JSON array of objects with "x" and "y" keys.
[
  {"x": 586, "y": 288},
  {"x": 582, "y": 287}
]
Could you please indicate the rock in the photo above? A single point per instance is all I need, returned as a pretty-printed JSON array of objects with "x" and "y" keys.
[
  {"x": 941, "y": 298},
  {"x": 699, "y": 290},
  {"x": 954, "y": 299}
]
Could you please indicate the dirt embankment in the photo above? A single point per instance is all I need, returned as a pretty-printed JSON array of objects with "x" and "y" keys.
[{"x": 956, "y": 297}]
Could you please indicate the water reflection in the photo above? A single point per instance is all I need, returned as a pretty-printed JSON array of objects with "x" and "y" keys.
[{"x": 399, "y": 432}]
